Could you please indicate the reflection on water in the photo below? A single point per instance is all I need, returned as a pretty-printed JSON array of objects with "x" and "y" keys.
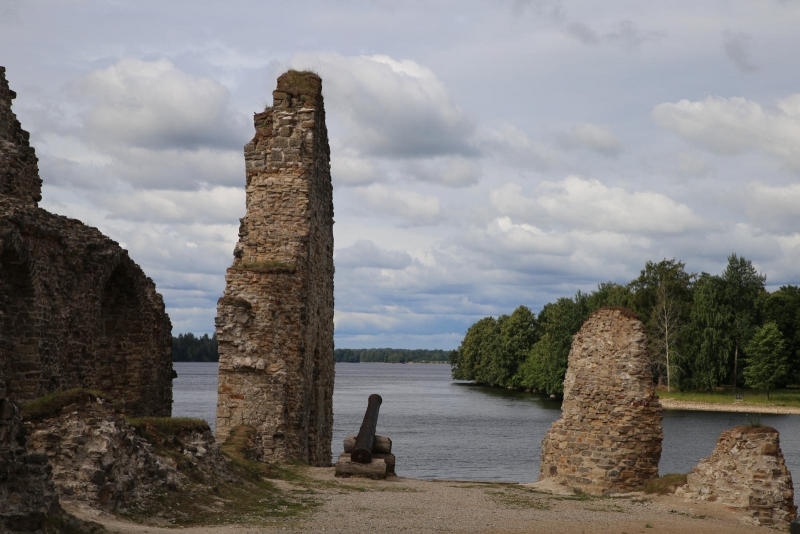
[{"x": 446, "y": 429}]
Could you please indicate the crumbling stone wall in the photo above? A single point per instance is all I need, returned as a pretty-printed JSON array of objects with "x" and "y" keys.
[
  {"x": 27, "y": 494},
  {"x": 75, "y": 310},
  {"x": 275, "y": 318},
  {"x": 608, "y": 438},
  {"x": 746, "y": 471}
]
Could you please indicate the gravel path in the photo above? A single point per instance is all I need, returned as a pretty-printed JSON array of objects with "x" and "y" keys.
[
  {"x": 672, "y": 404},
  {"x": 356, "y": 506}
]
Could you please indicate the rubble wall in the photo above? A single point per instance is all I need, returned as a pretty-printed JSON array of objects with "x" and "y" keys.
[
  {"x": 608, "y": 438},
  {"x": 275, "y": 319}
]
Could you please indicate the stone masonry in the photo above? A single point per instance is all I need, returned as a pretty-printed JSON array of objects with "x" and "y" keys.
[
  {"x": 75, "y": 310},
  {"x": 27, "y": 494},
  {"x": 608, "y": 438},
  {"x": 746, "y": 471},
  {"x": 275, "y": 318}
]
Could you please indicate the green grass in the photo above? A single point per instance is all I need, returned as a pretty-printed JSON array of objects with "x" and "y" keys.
[
  {"x": 778, "y": 397},
  {"x": 666, "y": 484},
  {"x": 265, "y": 267},
  {"x": 53, "y": 403}
]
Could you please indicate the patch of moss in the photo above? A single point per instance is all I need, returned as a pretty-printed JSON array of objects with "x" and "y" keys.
[
  {"x": 666, "y": 484},
  {"x": 52, "y": 404},
  {"x": 300, "y": 82}
]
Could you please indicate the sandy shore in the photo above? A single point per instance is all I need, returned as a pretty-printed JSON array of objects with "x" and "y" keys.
[
  {"x": 672, "y": 404},
  {"x": 357, "y": 506}
]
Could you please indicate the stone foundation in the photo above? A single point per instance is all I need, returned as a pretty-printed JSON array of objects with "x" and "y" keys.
[
  {"x": 746, "y": 471},
  {"x": 275, "y": 319},
  {"x": 608, "y": 438}
]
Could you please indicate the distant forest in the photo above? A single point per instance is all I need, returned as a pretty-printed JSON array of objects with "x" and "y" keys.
[
  {"x": 190, "y": 348},
  {"x": 389, "y": 355},
  {"x": 704, "y": 331}
]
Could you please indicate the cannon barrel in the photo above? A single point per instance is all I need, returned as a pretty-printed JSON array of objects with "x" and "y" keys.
[{"x": 362, "y": 452}]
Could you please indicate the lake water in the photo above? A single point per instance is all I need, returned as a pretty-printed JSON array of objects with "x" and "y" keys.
[{"x": 455, "y": 430}]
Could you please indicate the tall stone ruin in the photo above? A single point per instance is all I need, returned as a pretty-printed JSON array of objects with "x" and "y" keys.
[
  {"x": 75, "y": 310},
  {"x": 608, "y": 438},
  {"x": 275, "y": 319}
]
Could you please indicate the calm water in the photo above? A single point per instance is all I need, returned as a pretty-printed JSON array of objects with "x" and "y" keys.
[{"x": 445, "y": 429}]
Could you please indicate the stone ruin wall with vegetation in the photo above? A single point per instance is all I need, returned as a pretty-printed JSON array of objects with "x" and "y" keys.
[
  {"x": 608, "y": 438},
  {"x": 75, "y": 310},
  {"x": 747, "y": 472},
  {"x": 275, "y": 318}
]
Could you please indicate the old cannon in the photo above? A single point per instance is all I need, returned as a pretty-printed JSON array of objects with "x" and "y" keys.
[
  {"x": 367, "y": 454},
  {"x": 362, "y": 451}
]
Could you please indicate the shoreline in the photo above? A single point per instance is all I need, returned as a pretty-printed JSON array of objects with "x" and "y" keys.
[{"x": 673, "y": 404}]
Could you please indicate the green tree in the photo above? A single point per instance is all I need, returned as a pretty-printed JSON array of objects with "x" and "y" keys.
[
  {"x": 545, "y": 367},
  {"x": 783, "y": 308},
  {"x": 744, "y": 289},
  {"x": 767, "y": 362},
  {"x": 709, "y": 335},
  {"x": 473, "y": 358},
  {"x": 609, "y": 294},
  {"x": 518, "y": 335},
  {"x": 662, "y": 297}
]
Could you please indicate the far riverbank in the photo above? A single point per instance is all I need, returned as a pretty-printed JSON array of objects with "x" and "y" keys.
[{"x": 673, "y": 404}]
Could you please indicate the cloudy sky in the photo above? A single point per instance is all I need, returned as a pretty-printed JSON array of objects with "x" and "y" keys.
[{"x": 485, "y": 153}]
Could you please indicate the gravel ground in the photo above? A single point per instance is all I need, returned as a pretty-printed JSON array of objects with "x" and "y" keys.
[
  {"x": 356, "y": 506},
  {"x": 672, "y": 404}
]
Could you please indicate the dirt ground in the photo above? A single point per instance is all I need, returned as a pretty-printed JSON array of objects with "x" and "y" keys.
[{"x": 357, "y": 506}]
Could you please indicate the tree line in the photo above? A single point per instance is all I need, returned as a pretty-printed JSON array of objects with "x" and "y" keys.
[
  {"x": 190, "y": 348},
  {"x": 704, "y": 331},
  {"x": 389, "y": 355}
]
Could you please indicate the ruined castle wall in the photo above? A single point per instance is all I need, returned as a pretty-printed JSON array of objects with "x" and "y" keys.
[
  {"x": 75, "y": 310},
  {"x": 19, "y": 173},
  {"x": 608, "y": 438},
  {"x": 747, "y": 472},
  {"x": 275, "y": 319}
]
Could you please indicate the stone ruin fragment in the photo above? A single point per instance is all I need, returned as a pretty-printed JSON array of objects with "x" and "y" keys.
[
  {"x": 746, "y": 471},
  {"x": 75, "y": 310},
  {"x": 275, "y": 319},
  {"x": 608, "y": 438}
]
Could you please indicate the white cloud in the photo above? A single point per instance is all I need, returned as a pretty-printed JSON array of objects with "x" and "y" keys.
[
  {"x": 510, "y": 143},
  {"x": 364, "y": 253},
  {"x": 594, "y": 137},
  {"x": 218, "y": 205},
  {"x": 588, "y": 204},
  {"x": 414, "y": 208},
  {"x": 774, "y": 208},
  {"x": 348, "y": 170},
  {"x": 737, "y": 47},
  {"x": 155, "y": 105},
  {"x": 394, "y": 108},
  {"x": 691, "y": 165},
  {"x": 736, "y": 125},
  {"x": 453, "y": 171}
]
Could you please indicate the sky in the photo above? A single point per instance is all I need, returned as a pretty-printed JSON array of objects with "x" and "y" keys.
[{"x": 485, "y": 154}]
